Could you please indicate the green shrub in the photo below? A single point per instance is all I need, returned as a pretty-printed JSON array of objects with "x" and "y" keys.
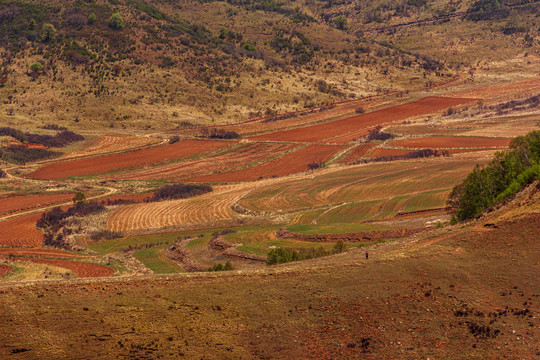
[
  {"x": 116, "y": 21},
  {"x": 36, "y": 67},
  {"x": 507, "y": 173}
]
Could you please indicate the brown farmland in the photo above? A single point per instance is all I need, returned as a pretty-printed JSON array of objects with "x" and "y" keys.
[
  {"x": 291, "y": 163},
  {"x": 208, "y": 208},
  {"x": 81, "y": 269},
  {"x": 357, "y": 153},
  {"x": 449, "y": 142},
  {"x": 21, "y": 231},
  {"x": 31, "y": 202},
  {"x": 108, "y": 163},
  {"x": 354, "y": 127},
  {"x": 235, "y": 158},
  {"x": 4, "y": 269}
]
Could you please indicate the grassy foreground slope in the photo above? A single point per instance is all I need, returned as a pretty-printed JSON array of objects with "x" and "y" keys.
[{"x": 464, "y": 292}]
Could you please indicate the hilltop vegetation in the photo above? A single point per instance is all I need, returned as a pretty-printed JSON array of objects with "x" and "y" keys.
[{"x": 150, "y": 64}]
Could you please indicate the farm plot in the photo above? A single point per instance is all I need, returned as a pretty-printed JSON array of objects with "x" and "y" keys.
[
  {"x": 21, "y": 231},
  {"x": 383, "y": 152},
  {"x": 288, "y": 164},
  {"x": 212, "y": 207},
  {"x": 132, "y": 159},
  {"x": 346, "y": 130},
  {"x": 451, "y": 142},
  {"x": 21, "y": 203},
  {"x": 236, "y": 158},
  {"x": 357, "y": 153},
  {"x": 492, "y": 91},
  {"x": 302, "y": 118},
  {"x": 380, "y": 181},
  {"x": 39, "y": 252},
  {"x": 114, "y": 143},
  {"x": 81, "y": 269},
  {"x": 427, "y": 200},
  {"x": 4, "y": 269}
]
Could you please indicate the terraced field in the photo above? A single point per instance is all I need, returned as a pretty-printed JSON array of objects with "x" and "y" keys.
[
  {"x": 100, "y": 165},
  {"x": 356, "y": 153},
  {"x": 21, "y": 231},
  {"x": 348, "y": 129},
  {"x": 288, "y": 164},
  {"x": 360, "y": 184},
  {"x": 212, "y": 207},
  {"x": 114, "y": 143},
  {"x": 451, "y": 142},
  {"x": 235, "y": 158},
  {"x": 20, "y": 203}
]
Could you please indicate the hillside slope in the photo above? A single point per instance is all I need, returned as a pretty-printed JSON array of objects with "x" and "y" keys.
[
  {"x": 169, "y": 64},
  {"x": 464, "y": 292}
]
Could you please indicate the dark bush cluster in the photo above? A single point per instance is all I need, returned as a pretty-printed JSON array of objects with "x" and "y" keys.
[
  {"x": 424, "y": 153},
  {"x": 315, "y": 165},
  {"x": 61, "y": 139},
  {"x": 219, "y": 134},
  {"x": 378, "y": 134},
  {"x": 503, "y": 176},
  {"x": 52, "y": 222},
  {"x": 179, "y": 191},
  {"x": 515, "y": 105},
  {"x": 221, "y": 267},
  {"x": 20, "y": 154},
  {"x": 105, "y": 234}
]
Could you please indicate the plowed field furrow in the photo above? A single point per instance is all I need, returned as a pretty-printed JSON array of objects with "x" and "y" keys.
[
  {"x": 381, "y": 152},
  {"x": 39, "y": 252},
  {"x": 207, "y": 208},
  {"x": 21, "y": 231},
  {"x": 288, "y": 164},
  {"x": 4, "y": 270},
  {"x": 449, "y": 142},
  {"x": 235, "y": 158},
  {"x": 351, "y": 128},
  {"x": 356, "y": 153},
  {"x": 362, "y": 183},
  {"x": 81, "y": 269},
  {"x": 114, "y": 143},
  {"x": 11, "y": 204},
  {"x": 108, "y": 163}
]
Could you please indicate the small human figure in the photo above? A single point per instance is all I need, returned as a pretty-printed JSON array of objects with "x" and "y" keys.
[{"x": 367, "y": 255}]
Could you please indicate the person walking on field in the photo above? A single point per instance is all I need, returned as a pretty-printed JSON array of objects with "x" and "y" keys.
[{"x": 367, "y": 255}]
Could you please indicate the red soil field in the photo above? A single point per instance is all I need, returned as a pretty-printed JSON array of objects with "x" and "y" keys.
[
  {"x": 291, "y": 163},
  {"x": 39, "y": 252},
  {"x": 81, "y": 269},
  {"x": 356, "y": 153},
  {"x": 125, "y": 160},
  {"x": 446, "y": 142},
  {"x": 21, "y": 231},
  {"x": 11, "y": 204},
  {"x": 4, "y": 269},
  {"x": 236, "y": 158},
  {"x": 354, "y": 127}
]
